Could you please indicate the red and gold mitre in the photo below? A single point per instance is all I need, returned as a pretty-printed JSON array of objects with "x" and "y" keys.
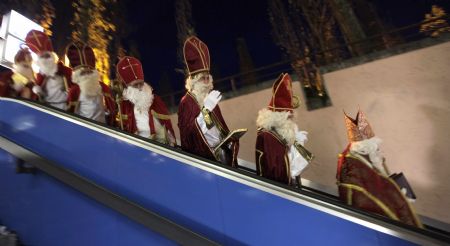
[
  {"x": 196, "y": 55},
  {"x": 282, "y": 96},
  {"x": 129, "y": 69},
  {"x": 23, "y": 55},
  {"x": 38, "y": 42},
  {"x": 358, "y": 129},
  {"x": 80, "y": 56}
]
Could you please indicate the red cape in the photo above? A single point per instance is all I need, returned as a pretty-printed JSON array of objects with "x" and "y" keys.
[
  {"x": 6, "y": 90},
  {"x": 272, "y": 159},
  {"x": 365, "y": 188},
  {"x": 158, "y": 110},
  {"x": 192, "y": 139}
]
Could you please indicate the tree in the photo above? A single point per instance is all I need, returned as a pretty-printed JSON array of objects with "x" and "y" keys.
[
  {"x": 92, "y": 24},
  {"x": 185, "y": 26},
  {"x": 294, "y": 36},
  {"x": 322, "y": 28},
  {"x": 286, "y": 36},
  {"x": 165, "y": 88},
  {"x": 435, "y": 22},
  {"x": 373, "y": 25},
  {"x": 122, "y": 32},
  {"x": 349, "y": 25},
  {"x": 245, "y": 62}
]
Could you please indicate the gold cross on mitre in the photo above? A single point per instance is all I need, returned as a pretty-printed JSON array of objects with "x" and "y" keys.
[
  {"x": 37, "y": 39},
  {"x": 131, "y": 66}
]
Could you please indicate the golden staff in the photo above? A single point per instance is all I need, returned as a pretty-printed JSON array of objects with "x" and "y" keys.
[{"x": 116, "y": 88}]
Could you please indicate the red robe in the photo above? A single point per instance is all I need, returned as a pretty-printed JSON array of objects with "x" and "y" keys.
[
  {"x": 108, "y": 101},
  {"x": 157, "y": 110},
  {"x": 66, "y": 73},
  {"x": 192, "y": 139},
  {"x": 365, "y": 188},
  {"x": 6, "y": 89},
  {"x": 272, "y": 159}
]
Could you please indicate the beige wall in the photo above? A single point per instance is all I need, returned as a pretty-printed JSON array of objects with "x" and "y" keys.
[{"x": 405, "y": 98}]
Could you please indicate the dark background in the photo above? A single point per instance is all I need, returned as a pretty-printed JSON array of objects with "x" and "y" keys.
[{"x": 220, "y": 22}]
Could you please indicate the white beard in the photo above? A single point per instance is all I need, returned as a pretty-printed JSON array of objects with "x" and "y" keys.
[
  {"x": 278, "y": 121},
  {"x": 141, "y": 98},
  {"x": 89, "y": 83},
  {"x": 24, "y": 71},
  {"x": 47, "y": 66},
  {"x": 199, "y": 89},
  {"x": 370, "y": 147}
]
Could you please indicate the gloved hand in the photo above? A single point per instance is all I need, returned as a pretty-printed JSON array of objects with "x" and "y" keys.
[
  {"x": 17, "y": 86},
  {"x": 37, "y": 90},
  {"x": 301, "y": 137},
  {"x": 404, "y": 191},
  {"x": 212, "y": 99}
]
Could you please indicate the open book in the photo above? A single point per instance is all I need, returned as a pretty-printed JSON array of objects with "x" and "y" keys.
[
  {"x": 402, "y": 182},
  {"x": 233, "y": 135}
]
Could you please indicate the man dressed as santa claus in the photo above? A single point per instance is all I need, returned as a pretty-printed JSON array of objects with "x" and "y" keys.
[
  {"x": 280, "y": 154},
  {"x": 200, "y": 120},
  {"x": 363, "y": 178},
  {"x": 20, "y": 81},
  {"x": 141, "y": 111},
  {"x": 54, "y": 79},
  {"x": 89, "y": 96}
]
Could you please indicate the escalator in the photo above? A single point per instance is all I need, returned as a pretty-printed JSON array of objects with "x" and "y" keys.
[{"x": 95, "y": 185}]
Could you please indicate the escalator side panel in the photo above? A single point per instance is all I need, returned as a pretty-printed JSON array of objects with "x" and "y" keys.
[
  {"x": 260, "y": 218},
  {"x": 224, "y": 209},
  {"x": 44, "y": 211},
  {"x": 163, "y": 185}
]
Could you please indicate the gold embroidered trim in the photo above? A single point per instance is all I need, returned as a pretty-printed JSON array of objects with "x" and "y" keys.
[
  {"x": 380, "y": 204},
  {"x": 349, "y": 196},
  {"x": 160, "y": 116},
  {"x": 288, "y": 169},
  {"x": 259, "y": 161}
]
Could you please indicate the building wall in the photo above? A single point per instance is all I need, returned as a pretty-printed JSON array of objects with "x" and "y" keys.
[{"x": 406, "y": 100}]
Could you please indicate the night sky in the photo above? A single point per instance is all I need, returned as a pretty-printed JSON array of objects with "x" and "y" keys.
[{"x": 218, "y": 23}]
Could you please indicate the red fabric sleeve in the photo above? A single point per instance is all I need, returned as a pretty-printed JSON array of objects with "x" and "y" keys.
[
  {"x": 40, "y": 79},
  {"x": 66, "y": 72},
  {"x": 110, "y": 104},
  {"x": 129, "y": 122},
  {"x": 5, "y": 80},
  {"x": 72, "y": 97},
  {"x": 192, "y": 139},
  {"x": 190, "y": 134}
]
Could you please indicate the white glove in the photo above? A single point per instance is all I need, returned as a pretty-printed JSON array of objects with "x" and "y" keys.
[
  {"x": 301, "y": 137},
  {"x": 212, "y": 99},
  {"x": 404, "y": 191},
  {"x": 17, "y": 86},
  {"x": 37, "y": 90}
]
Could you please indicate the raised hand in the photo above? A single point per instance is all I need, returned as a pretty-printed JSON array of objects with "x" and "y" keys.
[
  {"x": 212, "y": 100},
  {"x": 301, "y": 137}
]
